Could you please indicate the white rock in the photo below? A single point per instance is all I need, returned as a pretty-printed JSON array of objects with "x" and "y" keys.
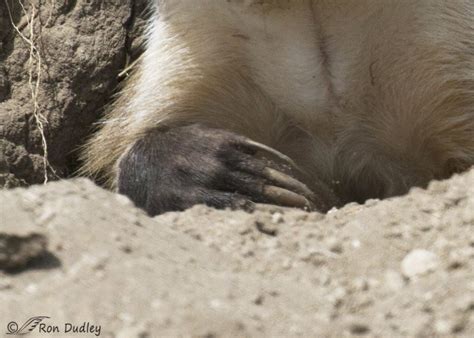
[
  {"x": 443, "y": 327},
  {"x": 355, "y": 244},
  {"x": 419, "y": 262},
  {"x": 277, "y": 218}
]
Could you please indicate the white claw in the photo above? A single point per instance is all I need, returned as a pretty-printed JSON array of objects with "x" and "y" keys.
[
  {"x": 288, "y": 182},
  {"x": 272, "y": 151},
  {"x": 287, "y": 198}
]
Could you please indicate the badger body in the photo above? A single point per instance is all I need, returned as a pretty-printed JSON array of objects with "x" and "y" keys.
[{"x": 365, "y": 98}]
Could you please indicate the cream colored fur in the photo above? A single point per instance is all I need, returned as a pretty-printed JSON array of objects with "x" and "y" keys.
[{"x": 363, "y": 92}]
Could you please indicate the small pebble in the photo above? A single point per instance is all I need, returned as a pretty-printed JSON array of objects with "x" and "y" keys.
[
  {"x": 277, "y": 218},
  {"x": 355, "y": 244},
  {"x": 337, "y": 296},
  {"x": 419, "y": 262},
  {"x": 449, "y": 326},
  {"x": 442, "y": 327},
  {"x": 334, "y": 245},
  {"x": 267, "y": 229}
]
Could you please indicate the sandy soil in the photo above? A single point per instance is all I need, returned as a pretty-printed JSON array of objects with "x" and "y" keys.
[{"x": 79, "y": 254}]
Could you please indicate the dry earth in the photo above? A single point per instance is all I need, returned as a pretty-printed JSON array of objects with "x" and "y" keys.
[
  {"x": 79, "y": 49},
  {"x": 401, "y": 267}
]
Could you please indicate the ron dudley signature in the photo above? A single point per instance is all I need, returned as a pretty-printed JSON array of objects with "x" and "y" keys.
[{"x": 39, "y": 324}]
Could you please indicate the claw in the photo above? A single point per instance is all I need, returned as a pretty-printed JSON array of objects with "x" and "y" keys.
[
  {"x": 286, "y": 198},
  {"x": 269, "y": 150},
  {"x": 288, "y": 182}
]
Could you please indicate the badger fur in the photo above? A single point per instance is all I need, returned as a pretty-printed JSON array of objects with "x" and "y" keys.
[{"x": 308, "y": 103}]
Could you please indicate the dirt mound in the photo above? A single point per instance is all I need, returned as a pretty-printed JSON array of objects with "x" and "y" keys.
[
  {"x": 59, "y": 65},
  {"x": 84, "y": 256}
]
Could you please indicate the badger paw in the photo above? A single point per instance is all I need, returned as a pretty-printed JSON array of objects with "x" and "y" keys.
[{"x": 176, "y": 168}]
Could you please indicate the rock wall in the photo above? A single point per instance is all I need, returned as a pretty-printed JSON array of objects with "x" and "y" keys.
[{"x": 59, "y": 65}]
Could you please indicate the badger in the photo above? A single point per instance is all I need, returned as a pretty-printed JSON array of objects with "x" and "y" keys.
[{"x": 310, "y": 104}]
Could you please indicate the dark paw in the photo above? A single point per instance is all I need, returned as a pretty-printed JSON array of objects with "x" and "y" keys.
[{"x": 174, "y": 169}]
